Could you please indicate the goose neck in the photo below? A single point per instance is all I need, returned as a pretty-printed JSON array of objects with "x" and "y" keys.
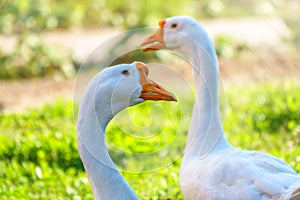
[
  {"x": 105, "y": 179},
  {"x": 206, "y": 134}
]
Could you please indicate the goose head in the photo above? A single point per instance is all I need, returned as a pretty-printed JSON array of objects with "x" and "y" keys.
[
  {"x": 114, "y": 89},
  {"x": 126, "y": 85},
  {"x": 181, "y": 33}
]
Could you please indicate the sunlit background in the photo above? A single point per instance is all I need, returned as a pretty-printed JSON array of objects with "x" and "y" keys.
[{"x": 44, "y": 42}]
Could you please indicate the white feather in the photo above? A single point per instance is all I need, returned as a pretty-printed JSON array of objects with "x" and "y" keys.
[{"x": 211, "y": 168}]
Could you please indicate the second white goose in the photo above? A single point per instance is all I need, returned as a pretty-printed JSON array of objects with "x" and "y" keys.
[{"x": 211, "y": 168}]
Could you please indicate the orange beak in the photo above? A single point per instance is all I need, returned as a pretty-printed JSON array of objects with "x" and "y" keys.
[
  {"x": 156, "y": 40},
  {"x": 152, "y": 90}
]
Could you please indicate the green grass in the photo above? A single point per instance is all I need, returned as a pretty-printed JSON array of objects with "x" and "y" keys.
[{"x": 39, "y": 158}]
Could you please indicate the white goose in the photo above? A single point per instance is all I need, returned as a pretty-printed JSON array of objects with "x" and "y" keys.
[
  {"x": 109, "y": 92},
  {"x": 211, "y": 168}
]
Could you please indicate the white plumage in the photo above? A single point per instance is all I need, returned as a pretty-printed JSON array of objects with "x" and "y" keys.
[
  {"x": 211, "y": 168},
  {"x": 109, "y": 92}
]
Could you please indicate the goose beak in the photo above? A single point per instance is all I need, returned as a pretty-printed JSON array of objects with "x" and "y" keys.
[
  {"x": 152, "y": 90},
  {"x": 156, "y": 40}
]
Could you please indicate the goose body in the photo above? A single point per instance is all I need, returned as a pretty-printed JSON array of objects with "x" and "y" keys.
[
  {"x": 211, "y": 168},
  {"x": 109, "y": 92}
]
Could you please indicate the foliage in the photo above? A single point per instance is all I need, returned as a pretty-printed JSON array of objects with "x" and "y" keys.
[
  {"x": 38, "y": 15},
  {"x": 38, "y": 154},
  {"x": 294, "y": 26},
  {"x": 227, "y": 47},
  {"x": 268, "y": 116},
  {"x": 39, "y": 158},
  {"x": 33, "y": 58}
]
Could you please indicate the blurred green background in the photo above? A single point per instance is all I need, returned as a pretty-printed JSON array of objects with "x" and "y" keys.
[
  {"x": 38, "y": 151},
  {"x": 27, "y": 19}
]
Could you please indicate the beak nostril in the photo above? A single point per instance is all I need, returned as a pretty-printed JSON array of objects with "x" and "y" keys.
[{"x": 161, "y": 23}]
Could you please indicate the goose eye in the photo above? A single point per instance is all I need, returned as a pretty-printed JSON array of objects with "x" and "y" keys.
[
  {"x": 125, "y": 72},
  {"x": 174, "y": 25}
]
